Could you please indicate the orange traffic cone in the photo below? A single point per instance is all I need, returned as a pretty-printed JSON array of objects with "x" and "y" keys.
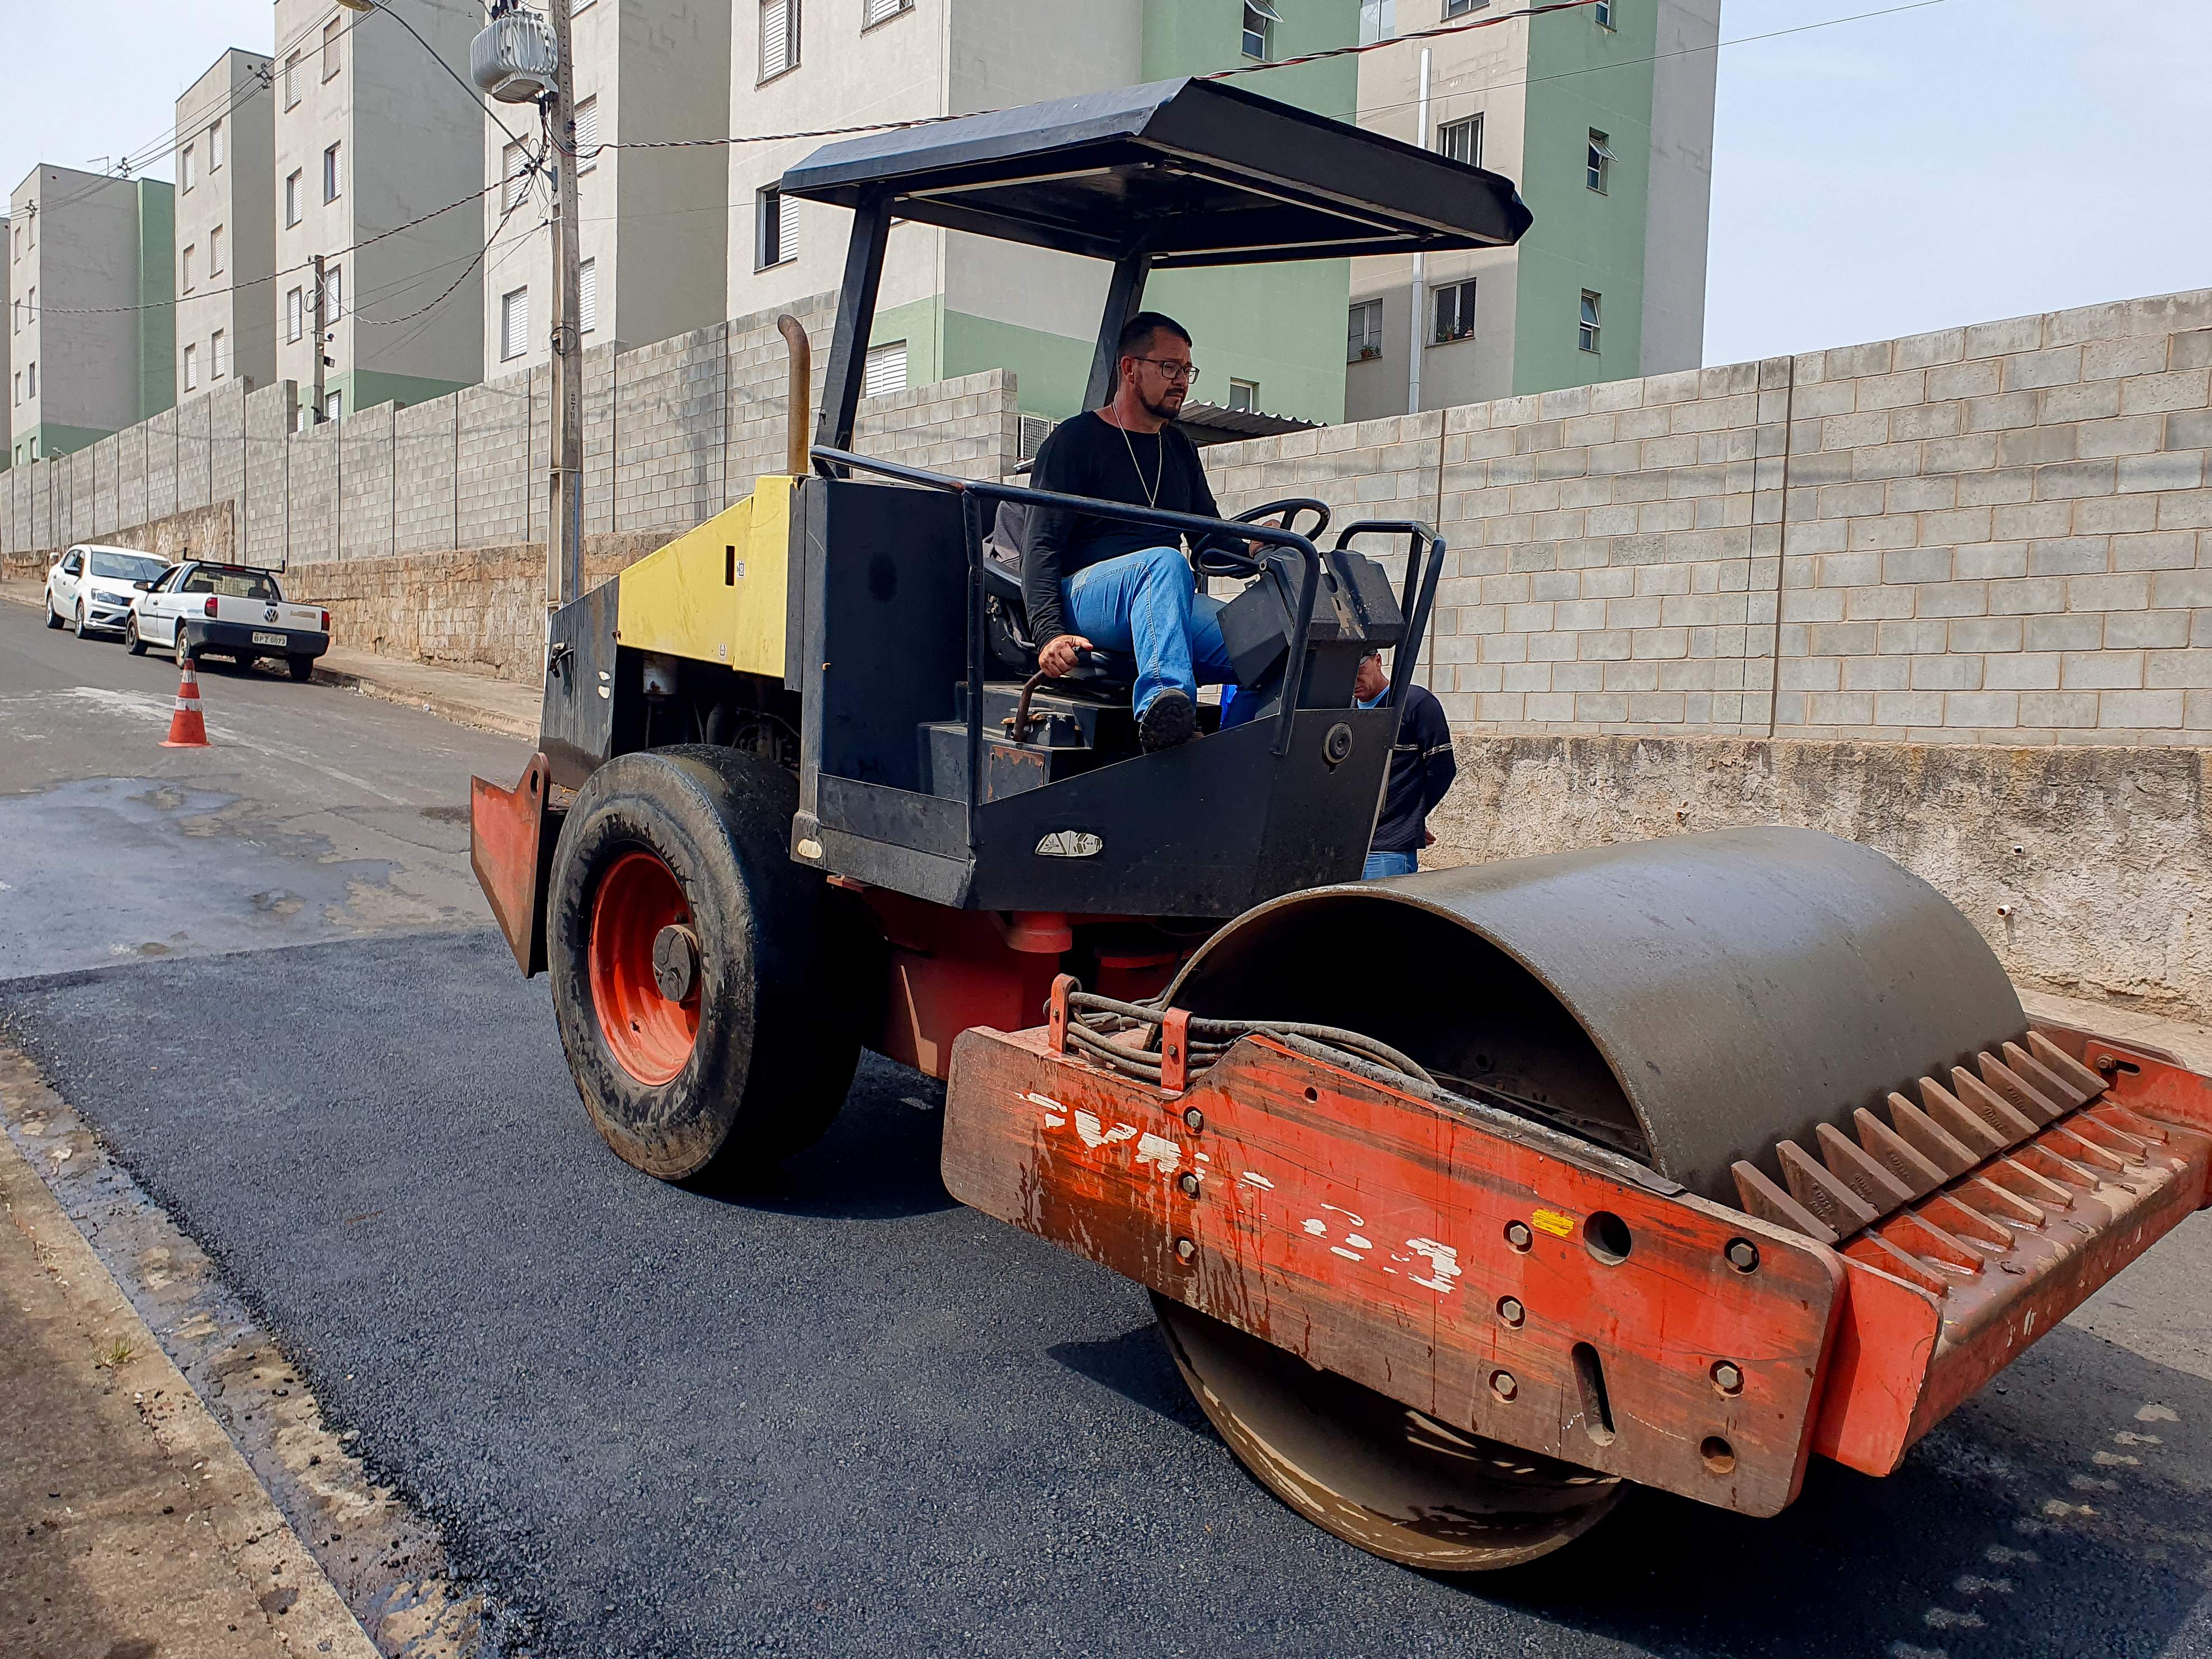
[{"x": 187, "y": 729}]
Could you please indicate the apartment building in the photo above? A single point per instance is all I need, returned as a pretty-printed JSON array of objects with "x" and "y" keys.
[
  {"x": 1603, "y": 116},
  {"x": 953, "y": 304},
  {"x": 371, "y": 136},
  {"x": 91, "y": 328},
  {"x": 226, "y": 227},
  {"x": 651, "y": 227},
  {"x": 7, "y": 334}
]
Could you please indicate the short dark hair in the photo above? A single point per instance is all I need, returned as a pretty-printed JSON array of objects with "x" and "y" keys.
[{"x": 1137, "y": 333}]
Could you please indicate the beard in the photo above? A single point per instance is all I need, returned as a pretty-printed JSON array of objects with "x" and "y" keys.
[{"x": 1168, "y": 405}]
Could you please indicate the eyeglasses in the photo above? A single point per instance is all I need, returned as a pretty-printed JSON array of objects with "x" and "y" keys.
[{"x": 1172, "y": 371}]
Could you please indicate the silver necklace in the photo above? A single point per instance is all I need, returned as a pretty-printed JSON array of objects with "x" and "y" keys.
[{"x": 1159, "y": 471}]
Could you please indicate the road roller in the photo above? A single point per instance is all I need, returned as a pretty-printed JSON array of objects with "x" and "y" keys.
[{"x": 1466, "y": 1199}]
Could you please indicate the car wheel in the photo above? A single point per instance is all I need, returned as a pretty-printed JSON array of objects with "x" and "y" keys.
[
  {"x": 52, "y": 619},
  {"x": 131, "y": 642},
  {"x": 301, "y": 668},
  {"x": 80, "y": 619}
]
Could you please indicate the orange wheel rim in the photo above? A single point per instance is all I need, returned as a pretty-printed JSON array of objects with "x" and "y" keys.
[{"x": 649, "y": 1036}]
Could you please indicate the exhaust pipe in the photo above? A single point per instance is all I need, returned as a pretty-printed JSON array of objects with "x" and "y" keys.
[{"x": 800, "y": 399}]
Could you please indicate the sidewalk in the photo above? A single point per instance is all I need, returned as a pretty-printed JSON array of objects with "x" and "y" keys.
[{"x": 134, "y": 1525}]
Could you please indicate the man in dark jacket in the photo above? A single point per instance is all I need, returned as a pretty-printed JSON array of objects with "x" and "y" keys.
[
  {"x": 1421, "y": 770},
  {"x": 1095, "y": 582}
]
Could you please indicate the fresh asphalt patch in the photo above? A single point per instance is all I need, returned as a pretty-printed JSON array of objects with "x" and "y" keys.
[{"x": 843, "y": 1415}]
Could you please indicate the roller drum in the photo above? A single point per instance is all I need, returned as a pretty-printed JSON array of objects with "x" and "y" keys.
[{"x": 1689, "y": 1000}]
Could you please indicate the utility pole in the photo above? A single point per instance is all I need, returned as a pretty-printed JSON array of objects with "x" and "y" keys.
[
  {"x": 322, "y": 342},
  {"x": 1418, "y": 295},
  {"x": 565, "y": 545}
]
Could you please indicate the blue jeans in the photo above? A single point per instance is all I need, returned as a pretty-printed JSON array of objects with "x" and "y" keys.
[
  {"x": 1144, "y": 604},
  {"x": 1379, "y": 865}
]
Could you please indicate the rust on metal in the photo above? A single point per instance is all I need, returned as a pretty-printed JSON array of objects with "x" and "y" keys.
[
  {"x": 1850, "y": 1163},
  {"x": 511, "y": 837},
  {"x": 2007, "y": 1122},
  {"x": 1821, "y": 1193},
  {"x": 1762, "y": 1197},
  {"x": 1918, "y": 1174}
]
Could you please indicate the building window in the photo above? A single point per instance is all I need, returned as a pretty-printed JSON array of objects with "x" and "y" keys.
[
  {"x": 1363, "y": 339},
  {"x": 333, "y": 174},
  {"x": 514, "y": 167},
  {"x": 873, "y": 12},
  {"x": 884, "y": 370},
  {"x": 188, "y": 170},
  {"x": 1460, "y": 8},
  {"x": 334, "y": 294},
  {"x": 1258, "y": 42},
  {"x": 588, "y": 296},
  {"x": 215, "y": 252},
  {"x": 292, "y": 81},
  {"x": 191, "y": 257},
  {"x": 1455, "y": 313},
  {"x": 218, "y": 355},
  {"x": 296, "y": 314},
  {"x": 1586, "y": 330},
  {"x": 19, "y": 386},
  {"x": 779, "y": 37},
  {"x": 1244, "y": 396},
  {"x": 214, "y": 146},
  {"x": 192, "y": 368},
  {"x": 33, "y": 390},
  {"x": 31, "y": 309},
  {"x": 1601, "y": 13},
  {"x": 1461, "y": 141},
  {"x": 777, "y": 241},
  {"x": 292, "y": 199},
  {"x": 587, "y": 135},
  {"x": 1598, "y": 165},
  {"x": 333, "y": 32},
  {"x": 513, "y": 325},
  {"x": 1378, "y": 21},
  {"x": 333, "y": 405}
]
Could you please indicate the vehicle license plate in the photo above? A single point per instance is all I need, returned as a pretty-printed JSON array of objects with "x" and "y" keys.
[{"x": 271, "y": 639}]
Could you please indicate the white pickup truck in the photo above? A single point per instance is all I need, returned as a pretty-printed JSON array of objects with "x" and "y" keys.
[{"x": 230, "y": 609}]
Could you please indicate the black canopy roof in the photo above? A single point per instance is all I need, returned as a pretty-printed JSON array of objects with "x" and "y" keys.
[{"x": 1190, "y": 173}]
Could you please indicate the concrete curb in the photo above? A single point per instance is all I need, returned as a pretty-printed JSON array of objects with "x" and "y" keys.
[{"x": 459, "y": 710}]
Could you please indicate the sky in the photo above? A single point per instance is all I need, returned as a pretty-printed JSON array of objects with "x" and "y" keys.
[{"x": 1955, "y": 162}]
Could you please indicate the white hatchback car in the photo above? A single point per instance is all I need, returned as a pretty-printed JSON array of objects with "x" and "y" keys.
[{"x": 90, "y": 587}]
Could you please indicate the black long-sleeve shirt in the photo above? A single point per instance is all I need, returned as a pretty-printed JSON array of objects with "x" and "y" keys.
[
  {"x": 1088, "y": 455},
  {"x": 1422, "y": 768}
]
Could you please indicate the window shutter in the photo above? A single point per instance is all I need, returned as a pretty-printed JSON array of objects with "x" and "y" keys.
[
  {"x": 215, "y": 147},
  {"x": 787, "y": 228},
  {"x": 334, "y": 298},
  {"x": 514, "y": 323},
  {"x": 295, "y": 308},
  {"x": 885, "y": 370},
  {"x": 588, "y": 296},
  {"x": 515, "y": 171},
  {"x": 875, "y": 11},
  {"x": 587, "y": 135},
  {"x": 219, "y": 354},
  {"x": 776, "y": 37}
]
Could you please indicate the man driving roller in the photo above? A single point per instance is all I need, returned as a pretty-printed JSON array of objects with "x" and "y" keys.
[{"x": 1091, "y": 582}]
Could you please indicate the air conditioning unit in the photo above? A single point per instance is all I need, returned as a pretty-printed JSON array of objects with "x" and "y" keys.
[
  {"x": 1035, "y": 429},
  {"x": 515, "y": 58}
]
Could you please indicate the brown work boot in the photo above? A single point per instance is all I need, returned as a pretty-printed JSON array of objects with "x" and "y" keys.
[{"x": 1168, "y": 720}]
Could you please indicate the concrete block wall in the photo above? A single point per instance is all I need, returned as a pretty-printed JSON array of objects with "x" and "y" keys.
[
  {"x": 368, "y": 501},
  {"x": 425, "y": 460},
  {"x": 268, "y": 461},
  {"x": 496, "y": 481},
  {"x": 1994, "y": 533}
]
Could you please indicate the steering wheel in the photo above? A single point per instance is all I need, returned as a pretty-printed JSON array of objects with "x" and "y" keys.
[{"x": 1220, "y": 561}]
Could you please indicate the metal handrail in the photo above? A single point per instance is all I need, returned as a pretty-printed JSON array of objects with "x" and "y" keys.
[
  {"x": 1188, "y": 523},
  {"x": 1425, "y": 557}
]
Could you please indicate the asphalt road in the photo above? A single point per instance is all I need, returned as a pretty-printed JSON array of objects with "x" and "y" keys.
[{"x": 845, "y": 1416}]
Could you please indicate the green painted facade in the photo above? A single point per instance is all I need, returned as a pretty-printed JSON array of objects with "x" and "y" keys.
[
  {"x": 51, "y": 438},
  {"x": 360, "y": 389},
  {"x": 1585, "y": 78},
  {"x": 1278, "y": 326},
  {"x": 157, "y": 297}
]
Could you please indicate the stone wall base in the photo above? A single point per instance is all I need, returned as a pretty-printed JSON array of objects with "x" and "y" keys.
[
  {"x": 481, "y": 609},
  {"x": 2085, "y": 867}
]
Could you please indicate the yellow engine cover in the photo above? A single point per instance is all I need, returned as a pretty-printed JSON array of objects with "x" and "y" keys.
[{"x": 717, "y": 593}]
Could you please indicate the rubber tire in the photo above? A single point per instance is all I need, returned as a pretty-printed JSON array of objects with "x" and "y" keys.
[
  {"x": 131, "y": 642},
  {"x": 300, "y": 668},
  {"x": 80, "y": 634},
  {"x": 780, "y": 1027},
  {"x": 53, "y": 617}
]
